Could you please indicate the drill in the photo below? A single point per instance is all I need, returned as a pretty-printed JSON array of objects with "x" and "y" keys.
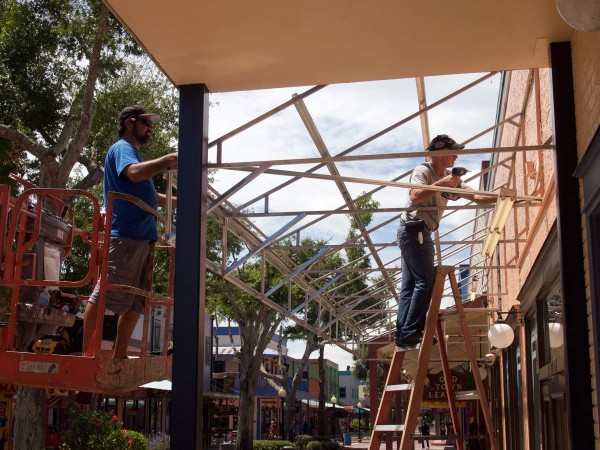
[{"x": 459, "y": 171}]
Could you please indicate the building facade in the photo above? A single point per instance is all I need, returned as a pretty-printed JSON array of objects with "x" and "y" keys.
[{"x": 543, "y": 388}]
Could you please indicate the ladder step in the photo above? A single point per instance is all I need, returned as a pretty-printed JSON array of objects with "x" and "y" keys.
[
  {"x": 399, "y": 387},
  {"x": 388, "y": 428},
  {"x": 466, "y": 395}
]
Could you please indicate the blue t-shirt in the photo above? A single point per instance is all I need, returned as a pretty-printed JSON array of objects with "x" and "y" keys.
[{"x": 128, "y": 220}]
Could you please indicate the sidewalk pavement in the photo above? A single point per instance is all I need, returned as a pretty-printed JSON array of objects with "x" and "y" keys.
[{"x": 433, "y": 445}]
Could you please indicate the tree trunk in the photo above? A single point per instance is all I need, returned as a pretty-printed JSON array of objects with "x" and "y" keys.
[
  {"x": 291, "y": 390},
  {"x": 246, "y": 413},
  {"x": 30, "y": 418},
  {"x": 322, "y": 381}
]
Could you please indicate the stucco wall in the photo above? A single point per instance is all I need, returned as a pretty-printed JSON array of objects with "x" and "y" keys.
[{"x": 586, "y": 80}]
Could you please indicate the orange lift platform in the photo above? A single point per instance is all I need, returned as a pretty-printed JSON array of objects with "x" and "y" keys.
[{"x": 38, "y": 229}]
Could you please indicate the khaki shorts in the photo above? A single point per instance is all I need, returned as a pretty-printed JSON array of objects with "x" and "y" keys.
[{"x": 127, "y": 265}]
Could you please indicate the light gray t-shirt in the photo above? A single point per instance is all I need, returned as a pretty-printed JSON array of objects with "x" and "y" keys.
[{"x": 426, "y": 174}]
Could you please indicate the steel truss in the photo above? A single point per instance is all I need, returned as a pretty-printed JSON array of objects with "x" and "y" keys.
[{"x": 351, "y": 324}]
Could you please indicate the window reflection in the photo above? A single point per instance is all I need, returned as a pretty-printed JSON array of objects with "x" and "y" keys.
[{"x": 553, "y": 325}]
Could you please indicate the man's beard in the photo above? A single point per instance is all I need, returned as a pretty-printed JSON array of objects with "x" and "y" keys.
[{"x": 141, "y": 138}]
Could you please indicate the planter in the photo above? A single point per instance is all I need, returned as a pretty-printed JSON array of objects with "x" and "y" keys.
[{"x": 347, "y": 438}]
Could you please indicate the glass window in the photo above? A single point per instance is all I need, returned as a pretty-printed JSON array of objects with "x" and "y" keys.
[
  {"x": 554, "y": 412},
  {"x": 553, "y": 325},
  {"x": 551, "y": 370},
  {"x": 533, "y": 383},
  {"x": 512, "y": 397}
]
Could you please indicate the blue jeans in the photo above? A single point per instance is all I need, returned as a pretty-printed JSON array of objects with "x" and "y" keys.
[{"x": 418, "y": 276}]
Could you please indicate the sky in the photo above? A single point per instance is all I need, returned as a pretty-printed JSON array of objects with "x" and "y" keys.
[{"x": 346, "y": 114}]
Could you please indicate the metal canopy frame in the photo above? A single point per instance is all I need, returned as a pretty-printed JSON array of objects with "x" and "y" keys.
[{"x": 457, "y": 247}]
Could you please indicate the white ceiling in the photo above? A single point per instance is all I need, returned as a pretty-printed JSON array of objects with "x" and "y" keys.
[{"x": 233, "y": 45}]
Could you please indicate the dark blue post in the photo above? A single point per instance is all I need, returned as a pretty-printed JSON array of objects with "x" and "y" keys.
[
  {"x": 579, "y": 406},
  {"x": 190, "y": 264}
]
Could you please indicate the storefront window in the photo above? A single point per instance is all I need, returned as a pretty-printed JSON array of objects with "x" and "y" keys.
[
  {"x": 551, "y": 372},
  {"x": 553, "y": 325},
  {"x": 513, "y": 398},
  {"x": 533, "y": 382}
]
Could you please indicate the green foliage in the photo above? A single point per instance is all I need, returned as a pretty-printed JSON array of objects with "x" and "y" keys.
[
  {"x": 354, "y": 285},
  {"x": 326, "y": 438},
  {"x": 302, "y": 441},
  {"x": 331, "y": 445},
  {"x": 45, "y": 46},
  {"x": 31, "y": 69},
  {"x": 98, "y": 430},
  {"x": 270, "y": 444},
  {"x": 308, "y": 249},
  {"x": 364, "y": 202},
  {"x": 322, "y": 444},
  {"x": 11, "y": 161},
  {"x": 76, "y": 265},
  {"x": 45, "y": 60},
  {"x": 363, "y": 423},
  {"x": 361, "y": 364},
  {"x": 135, "y": 440}
]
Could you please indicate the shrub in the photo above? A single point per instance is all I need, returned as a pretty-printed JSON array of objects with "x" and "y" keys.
[
  {"x": 302, "y": 441},
  {"x": 135, "y": 440},
  {"x": 354, "y": 424},
  {"x": 322, "y": 443},
  {"x": 159, "y": 441},
  {"x": 99, "y": 430},
  {"x": 270, "y": 444}
]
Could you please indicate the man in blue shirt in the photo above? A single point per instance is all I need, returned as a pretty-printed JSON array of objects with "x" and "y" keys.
[{"x": 132, "y": 229}]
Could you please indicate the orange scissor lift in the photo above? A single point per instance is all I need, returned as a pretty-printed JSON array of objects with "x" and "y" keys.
[{"x": 33, "y": 229}]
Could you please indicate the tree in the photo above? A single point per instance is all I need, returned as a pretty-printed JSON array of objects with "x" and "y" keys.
[
  {"x": 257, "y": 324},
  {"x": 353, "y": 284},
  {"x": 356, "y": 283},
  {"x": 350, "y": 285},
  {"x": 59, "y": 63},
  {"x": 296, "y": 332},
  {"x": 64, "y": 63}
]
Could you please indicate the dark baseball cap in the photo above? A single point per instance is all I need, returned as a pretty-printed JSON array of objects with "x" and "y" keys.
[
  {"x": 138, "y": 111},
  {"x": 443, "y": 141}
]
